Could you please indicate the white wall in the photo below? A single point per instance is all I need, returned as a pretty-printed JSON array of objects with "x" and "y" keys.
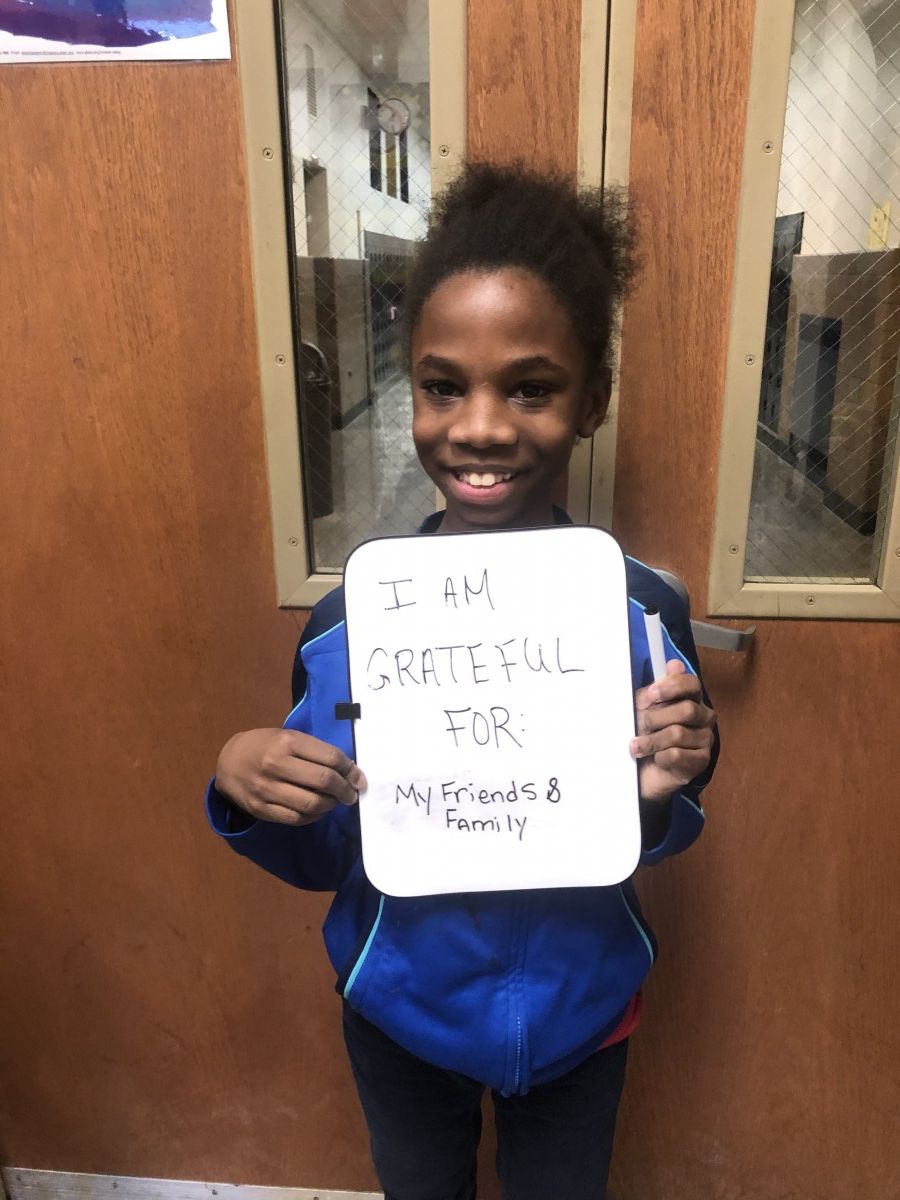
[
  {"x": 887, "y": 136},
  {"x": 338, "y": 139},
  {"x": 841, "y": 130}
]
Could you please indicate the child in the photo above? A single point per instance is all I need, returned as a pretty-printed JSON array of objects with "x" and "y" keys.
[{"x": 510, "y": 314}]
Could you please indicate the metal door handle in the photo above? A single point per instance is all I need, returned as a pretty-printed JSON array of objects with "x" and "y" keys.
[
  {"x": 717, "y": 637},
  {"x": 714, "y": 637},
  {"x": 313, "y": 364}
]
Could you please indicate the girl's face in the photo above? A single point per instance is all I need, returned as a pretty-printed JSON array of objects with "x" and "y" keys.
[{"x": 499, "y": 396}]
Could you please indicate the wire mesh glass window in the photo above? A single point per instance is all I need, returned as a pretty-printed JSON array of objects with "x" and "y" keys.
[
  {"x": 828, "y": 407},
  {"x": 353, "y": 238}
]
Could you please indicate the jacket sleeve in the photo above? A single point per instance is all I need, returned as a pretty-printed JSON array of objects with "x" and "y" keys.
[
  {"x": 686, "y": 816},
  {"x": 316, "y": 857}
]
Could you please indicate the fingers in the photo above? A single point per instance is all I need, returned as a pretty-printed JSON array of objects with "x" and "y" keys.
[
  {"x": 311, "y": 749},
  {"x": 678, "y": 684},
  {"x": 675, "y": 731},
  {"x": 286, "y": 776},
  {"x": 658, "y": 781},
  {"x": 682, "y": 765},
  {"x": 285, "y": 800},
  {"x": 675, "y": 666},
  {"x": 666, "y": 744},
  {"x": 278, "y": 814},
  {"x": 308, "y": 764},
  {"x": 690, "y": 713},
  {"x": 284, "y": 803}
]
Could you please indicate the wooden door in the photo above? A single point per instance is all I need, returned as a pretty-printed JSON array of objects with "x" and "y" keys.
[
  {"x": 767, "y": 1065},
  {"x": 166, "y": 1013},
  {"x": 169, "y": 1012}
]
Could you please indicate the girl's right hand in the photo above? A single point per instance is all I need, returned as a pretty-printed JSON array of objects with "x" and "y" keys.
[{"x": 285, "y": 776}]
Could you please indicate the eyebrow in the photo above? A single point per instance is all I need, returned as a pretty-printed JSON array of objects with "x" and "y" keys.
[{"x": 529, "y": 363}]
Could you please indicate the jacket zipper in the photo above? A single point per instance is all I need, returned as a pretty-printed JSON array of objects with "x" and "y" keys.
[
  {"x": 516, "y": 990},
  {"x": 518, "y": 1074},
  {"x": 348, "y": 976}
]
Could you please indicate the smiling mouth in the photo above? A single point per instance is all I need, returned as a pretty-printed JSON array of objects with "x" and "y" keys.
[{"x": 483, "y": 479}]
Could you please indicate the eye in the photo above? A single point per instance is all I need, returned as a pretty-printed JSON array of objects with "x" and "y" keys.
[
  {"x": 444, "y": 389},
  {"x": 531, "y": 392}
]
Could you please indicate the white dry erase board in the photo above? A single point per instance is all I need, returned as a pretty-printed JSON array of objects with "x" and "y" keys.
[{"x": 492, "y": 676}]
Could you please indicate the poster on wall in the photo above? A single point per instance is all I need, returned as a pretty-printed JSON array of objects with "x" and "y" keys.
[{"x": 33, "y": 31}]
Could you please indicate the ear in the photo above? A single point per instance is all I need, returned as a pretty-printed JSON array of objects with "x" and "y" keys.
[{"x": 596, "y": 403}]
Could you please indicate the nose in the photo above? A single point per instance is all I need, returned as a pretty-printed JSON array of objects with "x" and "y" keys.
[{"x": 483, "y": 420}]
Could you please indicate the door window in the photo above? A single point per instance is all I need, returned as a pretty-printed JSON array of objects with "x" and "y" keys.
[
  {"x": 352, "y": 122},
  {"x": 354, "y": 229},
  {"x": 812, "y": 408}
]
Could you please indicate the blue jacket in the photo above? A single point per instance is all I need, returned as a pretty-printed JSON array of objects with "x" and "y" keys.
[{"x": 510, "y": 988}]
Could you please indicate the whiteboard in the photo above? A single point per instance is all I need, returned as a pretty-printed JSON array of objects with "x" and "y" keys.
[{"x": 492, "y": 674}]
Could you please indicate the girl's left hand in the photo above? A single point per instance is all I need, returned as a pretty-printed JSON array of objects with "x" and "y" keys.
[{"x": 675, "y": 732}]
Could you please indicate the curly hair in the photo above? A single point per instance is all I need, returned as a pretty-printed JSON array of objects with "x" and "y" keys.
[{"x": 580, "y": 243}]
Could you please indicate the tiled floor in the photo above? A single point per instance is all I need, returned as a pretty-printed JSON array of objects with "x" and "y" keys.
[
  {"x": 379, "y": 487},
  {"x": 792, "y": 536}
]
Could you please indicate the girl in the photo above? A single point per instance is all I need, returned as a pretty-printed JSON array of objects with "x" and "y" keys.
[{"x": 510, "y": 314}]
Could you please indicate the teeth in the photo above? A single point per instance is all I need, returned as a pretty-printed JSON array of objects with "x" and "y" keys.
[{"x": 485, "y": 480}]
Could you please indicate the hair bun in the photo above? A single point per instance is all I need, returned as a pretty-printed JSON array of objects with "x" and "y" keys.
[{"x": 579, "y": 243}]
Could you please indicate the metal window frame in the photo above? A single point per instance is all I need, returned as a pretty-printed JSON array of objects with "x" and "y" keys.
[
  {"x": 604, "y": 148},
  {"x": 729, "y": 595},
  {"x": 297, "y": 585}
]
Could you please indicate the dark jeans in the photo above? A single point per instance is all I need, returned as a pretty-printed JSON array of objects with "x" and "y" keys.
[{"x": 552, "y": 1144}]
